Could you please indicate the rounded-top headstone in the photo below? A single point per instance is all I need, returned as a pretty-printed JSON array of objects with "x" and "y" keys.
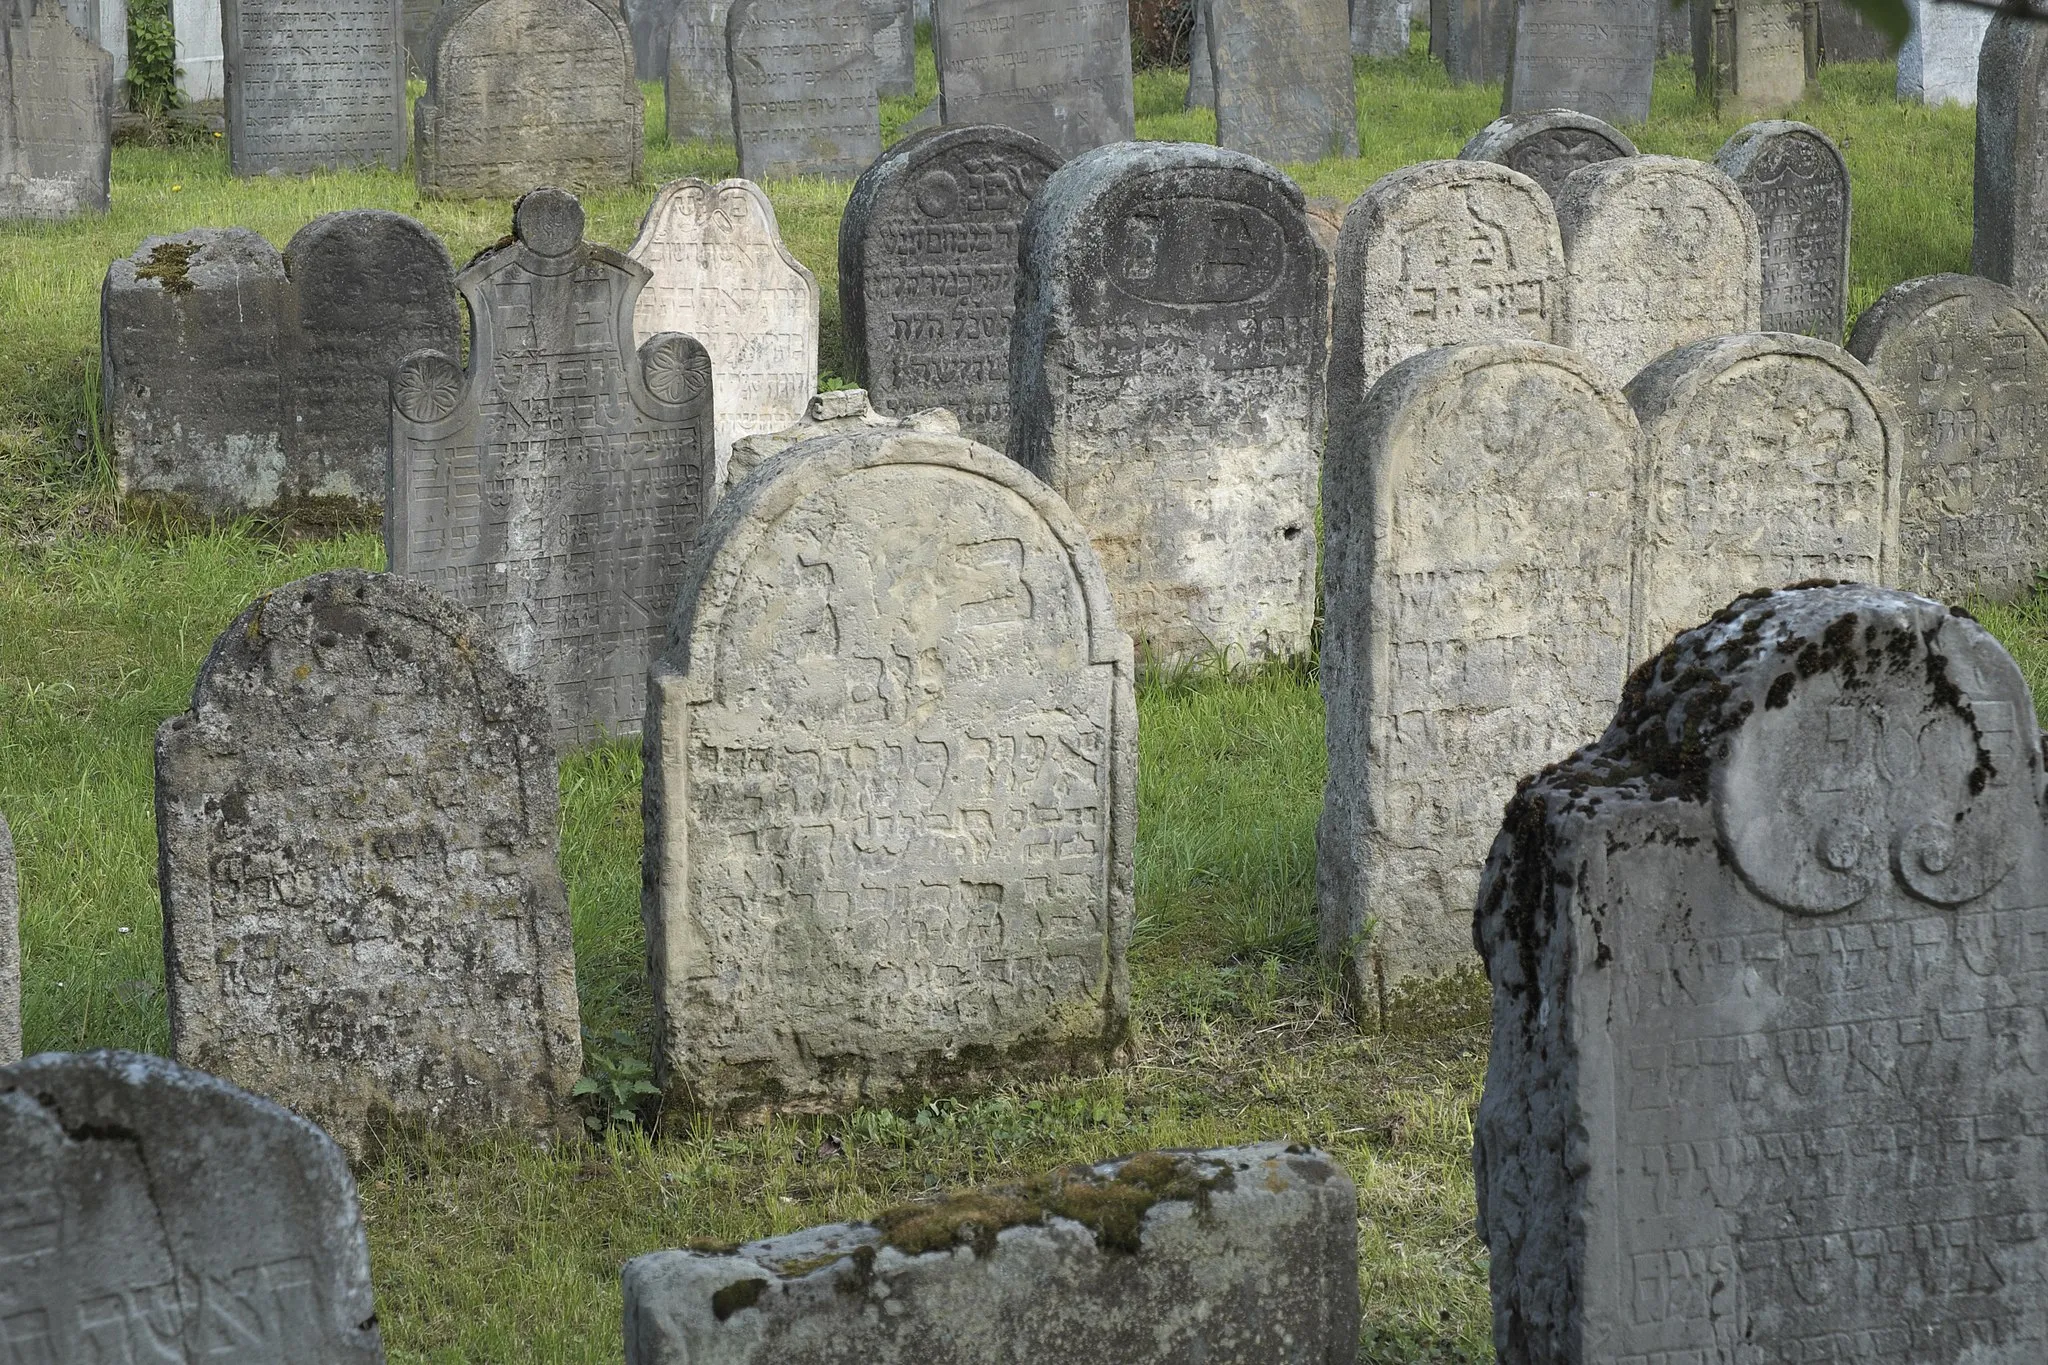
[
  {"x": 1795, "y": 180},
  {"x": 1548, "y": 145},
  {"x": 549, "y": 221},
  {"x": 2009, "y": 237}
]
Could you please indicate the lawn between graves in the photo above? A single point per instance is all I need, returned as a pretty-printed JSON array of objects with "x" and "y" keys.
[{"x": 495, "y": 1251}]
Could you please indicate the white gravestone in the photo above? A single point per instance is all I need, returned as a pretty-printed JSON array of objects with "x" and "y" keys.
[
  {"x": 202, "y": 60},
  {"x": 1938, "y": 64}
]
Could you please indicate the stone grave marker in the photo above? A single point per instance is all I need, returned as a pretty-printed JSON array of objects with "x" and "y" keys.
[
  {"x": 357, "y": 835},
  {"x": 895, "y": 30},
  {"x": 1201, "y": 72},
  {"x": 196, "y": 26},
  {"x": 1379, "y": 28},
  {"x": 1059, "y": 70},
  {"x": 1271, "y": 1230},
  {"x": 1594, "y": 56},
  {"x": 1846, "y": 36},
  {"x": 417, "y": 17},
  {"x": 1966, "y": 361},
  {"x": 2009, "y": 237},
  {"x": 651, "y": 22},
  {"x": 314, "y": 84},
  {"x": 156, "y": 1213},
  {"x": 839, "y": 412},
  {"x": 1797, "y": 184},
  {"x": 1767, "y": 992},
  {"x": 804, "y": 93},
  {"x": 528, "y": 92},
  {"x": 1659, "y": 251},
  {"x": 698, "y": 86},
  {"x": 1167, "y": 368},
  {"x": 1283, "y": 78},
  {"x": 1674, "y": 29},
  {"x": 1938, "y": 64},
  {"x": 10, "y": 950},
  {"x": 56, "y": 116},
  {"x": 1477, "y": 35},
  {"x": 1547, "y": 146},
  {"x": 718, "y": 272},
  {"x": 553, "y": 486},
  {"x": 104, "y": 23},
  {"x": 1754, "y": 56},
  {"x": 928, "y": 272}
]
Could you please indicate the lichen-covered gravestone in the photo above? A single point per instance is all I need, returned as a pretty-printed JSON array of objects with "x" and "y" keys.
[
  {"x": 1797, "y": 184},
  {"x": 313, "y": 84},
  {"x": 553, "y": 486},
  {"x": 10, "y": 949},
  {"x": 1282, "y": 76},
  {"x": 56, "y": 116},
  {"x": 1594, "y": 56},
  {"x": 1235, "y": 1256},
  {"x": 1659, "y": 251},
  {"x": 890, "y": 791},
  {"x": 528, "y": 92},
  {"x": 356, "y": 832},
  {"x": 154, "y": 1213},
  {"x": 1548, "y": 146},
  {"x": 2009, "y": 239},
  {"x": 1167, "y": 369},
  {"x": 1751, "y": 56},
  {"x": 1938, "y": 64},
  {"x": 697, "y": 86},
  {"x": 1059, "y": 70},
  {"x": 803, "y": 88},
  {"x": 1967, "y": 363},
  {"x": 928, "y": 272},
  {"x": 1767, "y": 1005}
]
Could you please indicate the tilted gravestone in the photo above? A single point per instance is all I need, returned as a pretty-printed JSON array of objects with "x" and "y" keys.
[
  {"x": 698, "y": 87},
  {"x": 10, "y": 950},
  {"x": 928, "y": 272},
  {"x": 1476, "y": 37},
  {"x": 357, "y": 834},
  {"x": 156, "y": 1213},
  {"x": 2009, "y": 237},
  {"x": 804, "y": 94},
  {"x": 553, "y": 486},
  {"x": 1121, "y": 1261},
  {"x": 528, "y": 92},
  {"x": 890, "y": 790},
  {"x": 1282, "y": 77},
  {"x": 56, "y": 116},
  {"x": 311, "y": 86},
  {"x": 718, "y": 272},
  {"x": 651, "y": 22},
  {"x": 1938, "y": 64},
  {"x": 895, "y": 40},
  {"x": 1659, "y": 251},
  {"x": 1059, "y": 70},
  {"x": 836, "y": 413},
  {"x": 1166, "y": 377},
  {"x": 1547, "y": 146},
  {"x": 1767, "y": 1002},
  {"x": 1754, "y": 56},
  {"x": 1966, "y": 361},
  {"x": 1797, "y": 184},
  {"x": 1594, "y": 56},
  {"x": 1379, "y": 28}
]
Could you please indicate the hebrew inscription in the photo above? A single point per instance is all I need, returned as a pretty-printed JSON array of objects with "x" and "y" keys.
[
  {"x": 2009, "y": 237},
  {"x": 698, "y": 87},
  {"x": 1595, "y": 56},
  {"x": 314, "y": 83},
  {"x": 1547, "y": 146},
  {"x": 1798, "y": 186},
  {"x": 55, "y": 122},
  {"x": 1058, "y": 70},
  {"x": 804, "y": 88},
  {"x": 1282, "y": 79}
]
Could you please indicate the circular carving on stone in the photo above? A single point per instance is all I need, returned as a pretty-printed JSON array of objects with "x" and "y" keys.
[
  {"x": 938, "y": 194},
  {"x": 549, "y": 222},
  {"x": 428, "y": 388},
  {"x": 678, "y": 370}
]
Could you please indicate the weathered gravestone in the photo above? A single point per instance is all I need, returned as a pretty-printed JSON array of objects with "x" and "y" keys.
[
  {"x": 155, "y": 1213},
  {"x": 1659, "y": 251},
  {"x": 553, "y": 486},
  {"x": 1282, "y": 76},
  {"x": 1379, "y": 28},
  {"x": 928, "y": 272},
  {"x": 1846, "y": 36},
  {"x": 1767, "y": 998},
  {"x": 1594, "y": 56},
  {"x": 1166, "y": 377},
  {"x": 1938, "y": 64},
  {"x": 1059, "y": 70},
  {"x": 1127, "y": 1261},
  {"x": 56, "y": 115},
  {"x": 650, "y": 23},
  {"x": 10, "y": 950},
  {"x": 1754, "y": 56},
  {"x": 1477, "y": 35},
  {"x": 895, "y": 40},
  {"x": 528, "y": 92},
  {"x": 1797, "y": 184},
  {"x": 890, "y": 793},
  {"x": 837, "y": 413},
  {"x": 417, "y": 18},
  {"x": 1201, "y": 72},
  {"x": 1478, "y": 534},
  {"x": 1547, "y": 146},
  {"x": 803, "y": 88},
  {"x": 105, "y": 25},
  {"x": 1967, "y": 363},
  {"x": 718, "y": 272},
  {"x": 2009, "y": 238},
  {"x": 1674, "y": 28},
  {"x": 356, "y": 831},
  {"x": 313, "y": 84},
  {"x": 197, "y": 28},
  {"x": 698, "y": 87}
]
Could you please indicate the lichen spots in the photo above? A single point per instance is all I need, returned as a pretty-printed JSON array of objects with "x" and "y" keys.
[
  {"x": 170, "y": 266},
  {"x": 735, "y": 1296},
  {"x": 1112, "y": 1207}
]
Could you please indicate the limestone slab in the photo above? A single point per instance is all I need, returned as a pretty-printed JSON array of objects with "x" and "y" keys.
[
  {"x": 1938, "y": 64},
  {"x": 314, "y": 84},
  {"x": 2009, "y": 228},
  {"x": 1592, "y": 56},
  {"x": 804, "y": 87},
  {"x": 895, "y": 39},
  {"x": 1547, "y": 146},
  {"x": 196, "y": 25},
  {"x": 1797, "y": 184},
  {"x": 1281, "y": 71},
  {"x": 10, "y": 949},
  {"x": 1059, "y": 70},
  {"x": 56, "y": 117},
  {"x": 698, "y": 85}
]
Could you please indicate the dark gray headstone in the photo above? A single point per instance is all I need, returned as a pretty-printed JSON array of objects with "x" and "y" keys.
[
  {"x": 1379, "y": 28},
  {"x": 1201, "y": 74},
  {"x": 1059, "y": 70},
  {"x": 1283, "y": 78},
  {"x": 554, "y": 486},
  {"x": 1547, "y": 146},
  {"x": 418, "y": 17},
  {"x": 1793, "y": 175},
  {"x": 652, "y": 21},
  {"x": 2009, "y": 241},
  {"x": 1674, "y": 28},
  {"x": 928, "y": 272},
  {"x": 895, "y": 39},
  {"x": 1846, "y": 36},
  {"x": 1592, "y": 56},
  {"x": 56, "y": 116},
  {"x": 154, "y": 1213},
  {"x": 803, "y": 96},
  {"x": 1476, "y": 37},
  {"x": 10, "y": 949},
  {"x": 314, "y": 87},
  {"x": 698, "y": 86}
]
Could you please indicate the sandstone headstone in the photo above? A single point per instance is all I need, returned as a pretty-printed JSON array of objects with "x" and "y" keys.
[
  {"x": 1754, "y": 56},
  {"x": 1167, "y": 367},
  {"x": 1269, "y": 1230},
  {"x": 155, "y": 1213},
  {"x": 1797, "y": 184},
  {"x": 895, "y": 30},
  {"x": 1767, "y": 992},
  {"x": 1547, "y": 146},
  {"x": 803, "y": 99},
  {"x": 840, "y": 412},
  {"x": 1967, "y": 363},
  {"x": 1846, "y": 36},
  {"x": 1059, "y": 70},
  {"x": 1938, "y": 64},
  {"x": 104, "y": 24},
  {"x": 2009, "y": 240},
  {"x": 928, "y": 272},
  {"x": 718, "y": 271},
  {"x": 698, "y": 86},
  {"x": 10, "y": 950},
  {"x": 1379, "y": 28},
  {"x": 1477, "y": 35},
  {"x": 313, "y": 84},
  {"x": 357, "y": 834},
  {"x": 1594, "y": 56},
  {"x": 1201, "y": 72},
  {"x": 1283, "y": 78},
  {"x": 890, "y": 779},
  {"x": 1659, "y": 251},
  {"x": 201, "y": 64},
  {"x": 418, "y": 18},
  {"x": 651, "y": 22},
  {"x": 528, "y": 92},
  {"x": 553, "y": 486},
  {"x": 56, "y": 116}
]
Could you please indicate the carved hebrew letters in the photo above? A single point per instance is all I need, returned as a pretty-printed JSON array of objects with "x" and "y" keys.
[{"x": 314, "y": 83}]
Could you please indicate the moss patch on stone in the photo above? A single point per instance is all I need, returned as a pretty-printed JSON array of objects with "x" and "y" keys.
[{"x": 170, "y": 265}]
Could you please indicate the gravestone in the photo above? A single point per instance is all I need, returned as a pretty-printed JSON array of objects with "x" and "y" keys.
[
  {"x": 1201, "y": 72},
  {"x": 553, "y": 485},
  {"x": 418, "y": 17},
  {"x": 1379, "y": 28},
  {"x": 1478, "y": 531},
  {"x": 698, "y": 86},
  {"x": 804, "y": 88},
  {"x": 1966, "y": 361},
  {"x": 890, "y": 788},
  {"x": 1059, "y": 70},
  {"x": 718, "y": 272},
  {"x": 1797, "y": 184},
  {"x": 1674, "y": 29},
  {"x": 1767, "y": 992},
  {"x": 1270, "y": 1230},
  {"x": 1547, "y": 146},
  {"x": 201, "y": 64},
  {"x": 895, "y": 30},
  {"x": 10, "y": 950},
  {"x": 105, "y": 25},
  {"x": 1593, "y": 56},
  {"x": 928, "y": 272},
  {"x": 1846, "y": 36},
  {"x": 524, "y": 93},
  {"x": 1754, "y": 56},
  {"x": 651, "y": 22},
  {"x": 1282, "y": 75},
  {"x": 1166, "y": 378},
  {"x": 1938, "y": 64},
  {"x": 1477, "y": 35},
  {"x": 56, "y": 116},
  {"x": 1659, "y": 251},
  {"x": 1768, "y": 459},
  {"x": 2009, "y": 238},
  {"x": 839, "y": 412},
  {"x": 356, "y": 829},
  {"x": 316, "y": 86},
  {"x": 155, "y": 1213}
]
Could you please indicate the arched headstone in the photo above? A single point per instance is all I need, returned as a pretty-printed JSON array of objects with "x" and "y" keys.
[
  {"x": 1549, "y": 145},
  {"x": 56, "y": 116},
  {"x": 310, "y": 88},
  {"x": 2009, "y": 237},
  {"x": 1282, "y": 78},
  {"x": 1059, "y": 70},
  {"x": 697, "y": 86},
  {"x": 804, "y": 94},
  {"x": 1797, "y": 184}
]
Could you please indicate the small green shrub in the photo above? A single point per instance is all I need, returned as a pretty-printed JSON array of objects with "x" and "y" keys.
[
  {"x": 615, "y": 1080},
  {"x": 152, "y": 59}
]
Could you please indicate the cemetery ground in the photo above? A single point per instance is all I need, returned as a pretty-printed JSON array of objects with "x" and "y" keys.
[{"x": 500, "y": 1252}]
